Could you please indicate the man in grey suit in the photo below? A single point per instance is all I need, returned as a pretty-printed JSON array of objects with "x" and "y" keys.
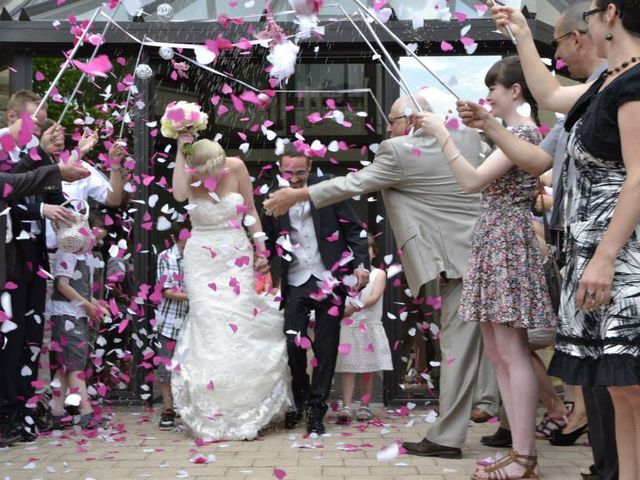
[{"x": 432, "y": 220}]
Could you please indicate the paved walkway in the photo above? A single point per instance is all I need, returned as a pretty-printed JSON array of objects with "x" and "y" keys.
[{"x": 135, "y": 449}]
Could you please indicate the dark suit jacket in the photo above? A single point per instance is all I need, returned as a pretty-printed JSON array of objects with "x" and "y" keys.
[
  {"x": 338, "y": 217},
  {"x": 32, "y": 182}
]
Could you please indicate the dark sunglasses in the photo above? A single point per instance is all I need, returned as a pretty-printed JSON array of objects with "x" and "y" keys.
[
  {"x": 556, "y": 41},
  {"x": 588, "y": 13}
]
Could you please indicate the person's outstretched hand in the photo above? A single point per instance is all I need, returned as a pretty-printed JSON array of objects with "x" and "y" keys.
[
  {"x": 505, "y": 15},
  {"x": 472, "y": 114},
  {"x": 281, "y": 201},
  {"x": 72, "y": 171},
  {"x": 87, "y": 142},
  {"x": 432, "y": 124},
  {"x": 52, "y": 140}
]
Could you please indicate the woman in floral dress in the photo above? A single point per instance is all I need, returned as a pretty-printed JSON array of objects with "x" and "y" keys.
[{"x": 505, "y": 288}]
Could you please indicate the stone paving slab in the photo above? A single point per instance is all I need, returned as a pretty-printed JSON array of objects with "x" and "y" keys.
[{"x": 135, "y": 449}]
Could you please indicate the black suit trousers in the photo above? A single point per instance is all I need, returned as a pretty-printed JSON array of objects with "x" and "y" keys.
[
  {"x": 602, "y": 431},
  {"x": 298, "y": 306},
  {"x": 19, "y": 359}
]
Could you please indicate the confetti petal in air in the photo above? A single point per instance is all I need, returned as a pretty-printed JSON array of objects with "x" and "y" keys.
[{"x": 98, "y": 67}]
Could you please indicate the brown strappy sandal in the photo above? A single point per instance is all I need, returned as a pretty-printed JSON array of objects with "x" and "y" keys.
[{"x": 496, "y": 471}]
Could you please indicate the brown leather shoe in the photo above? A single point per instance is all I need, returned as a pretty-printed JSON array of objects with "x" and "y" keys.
[
  {"x": 425, "y": 448},
  {"x": 479, "y": 415}
]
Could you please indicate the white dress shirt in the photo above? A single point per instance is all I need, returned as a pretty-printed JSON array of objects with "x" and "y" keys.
[
  {"x": 95, "y": 186},
  {"x": 307, "y": 261}
]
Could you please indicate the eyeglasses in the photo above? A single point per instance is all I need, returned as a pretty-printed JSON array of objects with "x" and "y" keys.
[
  {"x": 588, "y": 13},
  {"x": 556, "y": 41},
  {"x": 298, "y": 173},
  {"x": 392, "y": 120}
]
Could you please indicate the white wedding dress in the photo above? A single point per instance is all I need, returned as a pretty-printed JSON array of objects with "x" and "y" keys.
[{"x": 230, "y": 375}]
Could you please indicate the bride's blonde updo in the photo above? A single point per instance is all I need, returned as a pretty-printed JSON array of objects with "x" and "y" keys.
[{"x": 207, "y": 159}]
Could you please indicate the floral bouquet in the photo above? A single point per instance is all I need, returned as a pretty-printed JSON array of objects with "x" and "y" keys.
[{"x": 182, "y": 117}]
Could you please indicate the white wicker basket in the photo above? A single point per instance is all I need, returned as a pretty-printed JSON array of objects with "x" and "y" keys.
[{"x": 71, "y": 237}]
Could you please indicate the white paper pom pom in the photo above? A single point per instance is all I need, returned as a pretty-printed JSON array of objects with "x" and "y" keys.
[
  {"x": 164, "y": 12},
  {"x": 166, "y": 53},
  {"x": 143, "y": 71}
]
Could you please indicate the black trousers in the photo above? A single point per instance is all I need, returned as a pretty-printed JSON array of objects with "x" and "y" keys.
[
  {"x": 19, "y": 359},
  {"x": 298, "y": 306},
  {"x": 602, "y": 431}
]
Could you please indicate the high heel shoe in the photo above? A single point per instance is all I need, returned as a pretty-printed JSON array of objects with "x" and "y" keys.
[{"x": 567, "y": 439}]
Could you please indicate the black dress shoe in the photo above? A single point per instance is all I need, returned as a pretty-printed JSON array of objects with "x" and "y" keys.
[
  {"x": 500, "y": 439},
  {"x": 567, "y": 439},
  {"x": 314, "y": 419},
  {"x": 425, "y": 448},
  {"x": 292, "y": 418},
  {"x": 10, "y": 433}
]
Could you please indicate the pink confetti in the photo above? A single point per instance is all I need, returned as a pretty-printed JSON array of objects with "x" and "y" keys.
[
  {"x": 461, "y": 17},
  {"x": 242, "y": 261},
  {"x": 39, "y": 76},
  {"x": 344, "y": 349},
  {"x": 334, "y": 311},
  {"x": 481, "y": 8},
  {"x": 560, "y": 64},
  {"x": 234, "y": 327},
  {"x": 123, "y": 325},
  {"x": 446, "y": 46},
  {"x": 279, "y": 473},
  {"x": 304, "y": 343},
  {"x": 314, "y": 362},
  {"x": 314, "y": 117},
  {"x": 98, "y": 67},
  {"x": 452, "y": 124},
  {"x": 210, "y": 385},
  {"x": 435, "y": 302}
]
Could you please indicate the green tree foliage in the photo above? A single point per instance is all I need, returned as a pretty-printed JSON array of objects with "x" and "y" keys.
[{"x": 88, "y": 100}]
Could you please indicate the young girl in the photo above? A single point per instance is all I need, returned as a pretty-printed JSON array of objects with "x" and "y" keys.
[
  {"x": 505, "y": 289},
  {"x": 72, "y": 308},
  {"x": 362, "y": 329}
]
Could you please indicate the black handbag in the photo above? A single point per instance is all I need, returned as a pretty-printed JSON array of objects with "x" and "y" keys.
[{"x": 550, "y": 266}]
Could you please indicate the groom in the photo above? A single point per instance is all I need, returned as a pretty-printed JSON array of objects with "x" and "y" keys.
[
  {"x": 318, "y": 248},
  {"x": 432, "y": 220}
]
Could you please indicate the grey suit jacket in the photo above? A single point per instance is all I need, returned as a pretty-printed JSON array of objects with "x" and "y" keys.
[{"x": 431, "y": 217}]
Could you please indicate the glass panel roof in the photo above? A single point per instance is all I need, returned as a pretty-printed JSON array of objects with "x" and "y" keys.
[{"x": 203, "y": 10}]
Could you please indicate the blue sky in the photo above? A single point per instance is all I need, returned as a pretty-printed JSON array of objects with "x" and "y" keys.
[{"x": 463, "y": 74}]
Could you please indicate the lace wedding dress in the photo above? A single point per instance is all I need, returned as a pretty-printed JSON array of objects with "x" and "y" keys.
[{"x": 230, "y": 374}]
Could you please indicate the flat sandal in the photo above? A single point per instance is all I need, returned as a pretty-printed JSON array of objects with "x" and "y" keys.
[{"x": 496, "y": 471}]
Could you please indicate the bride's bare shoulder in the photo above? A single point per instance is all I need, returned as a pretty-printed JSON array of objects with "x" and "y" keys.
[{"x": 236, "y": 164}]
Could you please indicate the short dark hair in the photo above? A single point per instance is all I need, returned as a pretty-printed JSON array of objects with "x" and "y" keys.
[
  {"x": 628, "y": 11},
  {"x": 290, "y": 150},
  {"x": 177, "y": 227},
  {"x": 508, "y": 72}
]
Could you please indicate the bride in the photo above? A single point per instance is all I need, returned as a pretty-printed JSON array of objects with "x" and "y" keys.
[{"x": 230, "y": 376}]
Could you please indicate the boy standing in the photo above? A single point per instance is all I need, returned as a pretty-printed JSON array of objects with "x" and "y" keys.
[{"x": 170, "y": 314}]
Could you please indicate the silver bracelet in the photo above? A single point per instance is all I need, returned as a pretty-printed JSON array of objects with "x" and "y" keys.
[{"x": 454, "y": 158}]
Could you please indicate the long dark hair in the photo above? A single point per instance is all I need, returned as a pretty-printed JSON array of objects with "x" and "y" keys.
[
  {"x": 508, "y": 72},
  {"x": 628, "y": 11}
]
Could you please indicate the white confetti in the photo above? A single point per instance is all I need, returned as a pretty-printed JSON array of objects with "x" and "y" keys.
[
  {"x": 163, "y": 224},
  {"x": 153, "y": 199},
  {"x": 73, "y": 399},
  {"x": 388, "y": 453}
]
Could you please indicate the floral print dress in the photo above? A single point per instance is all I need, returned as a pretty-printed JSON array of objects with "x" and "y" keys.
[{"x": 505, "y": 282}]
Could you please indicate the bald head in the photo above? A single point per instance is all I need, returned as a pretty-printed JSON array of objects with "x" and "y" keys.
[
  {"x": 405, "y": 105},
  {"x": 402, "y": 114}
]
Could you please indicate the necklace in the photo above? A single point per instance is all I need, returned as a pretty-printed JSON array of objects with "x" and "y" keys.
[{"x": 624, "y": 65}]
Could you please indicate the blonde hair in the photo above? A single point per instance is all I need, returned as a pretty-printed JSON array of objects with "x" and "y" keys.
[
  {"x": 208, "y": 157},
  {"x": 18, "y": 101}
]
